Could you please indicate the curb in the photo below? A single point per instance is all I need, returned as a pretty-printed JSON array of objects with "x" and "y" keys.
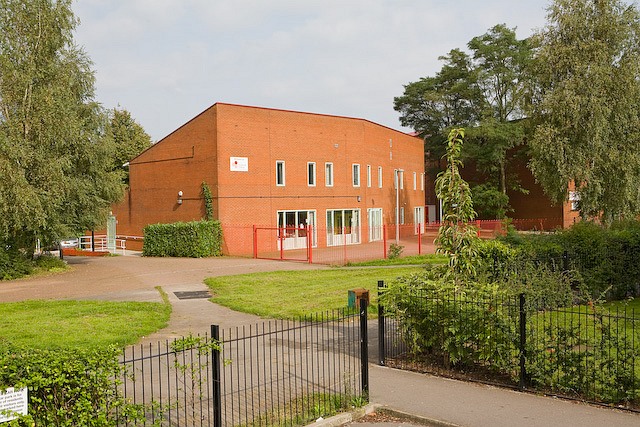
[
  {"x": 348, "y": 417},
  {"x": 416, "y": 419},
  {"x": 345, "y": 417}
]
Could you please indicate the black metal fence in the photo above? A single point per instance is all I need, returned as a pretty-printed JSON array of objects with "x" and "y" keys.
[
  {"x": 276, "y": 372},
  {"x": 585, "y": 352}
]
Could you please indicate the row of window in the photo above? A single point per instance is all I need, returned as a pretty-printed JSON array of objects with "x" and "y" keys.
[{"x": 355, "y": 173}]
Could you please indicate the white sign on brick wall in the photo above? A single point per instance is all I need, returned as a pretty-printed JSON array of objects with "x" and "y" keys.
[
  {"x": 239, "y": 164},
  {"x": 13, "y": 403}
]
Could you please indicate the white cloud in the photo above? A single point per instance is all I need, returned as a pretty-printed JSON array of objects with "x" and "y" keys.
[{"x": 167, "y": 60}]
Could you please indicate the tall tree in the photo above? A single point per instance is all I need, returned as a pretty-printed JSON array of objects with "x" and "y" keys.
[
  {"x": 129, "y": 138},
  {"x": 587, "y": 106},
  {"x": 56, "y": 160},
  {"x": 484, "y": 92},
  {"x": 500, "y": 60}
]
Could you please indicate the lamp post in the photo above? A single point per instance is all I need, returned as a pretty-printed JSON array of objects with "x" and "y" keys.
[{"x": 397, "y": 183}]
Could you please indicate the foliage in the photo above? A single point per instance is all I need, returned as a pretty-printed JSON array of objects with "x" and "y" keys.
[
  {"x": 55, "y": 157},
  {"x": 193, "y": 239},
  {"x": 456, "y": 236},
  {"x": 603, "y": 260},
  {"x": 463, "y": 326},
  {"x": 66, "y": 388},
  {"x": 129, "y": 139},
  {"x": 450, "y": 98},
  {"x": 485, "y": 93},
  {"x": 14, "y": 264},
  {"x": 208, "y": 201},
  {"x": 489, "y": 202},
  {"x": 585, "y": 350},
  {"x": 395, "y": 251},
  {"x": 587, "y": 72}
]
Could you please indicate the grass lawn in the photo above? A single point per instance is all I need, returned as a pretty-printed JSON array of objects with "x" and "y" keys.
[
  {"x": 292, "y": 294},
  {"x": 408, "y": 260},
  {"x": 79, "y": 324}
]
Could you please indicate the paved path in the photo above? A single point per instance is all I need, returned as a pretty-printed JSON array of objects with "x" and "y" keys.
[
  {"x": 442, "y": 401},
  {"x": 467, "y": 404}
]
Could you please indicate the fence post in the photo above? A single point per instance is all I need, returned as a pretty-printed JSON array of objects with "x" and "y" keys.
[
  {"x": 381, "y": 332},
  {"x": 255, "y": 242},
  {"x": 384, "y": 241},
  {"x": 364, "y": 349},
  {"x": 523, "y": 343},
  {"x": 216, "y": 377},
  {"x": 310, "y": 243}
]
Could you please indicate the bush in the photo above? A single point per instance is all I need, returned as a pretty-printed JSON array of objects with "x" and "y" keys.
[
  {"x": 395, "y": 251},
  {"x": 66, "y": 388},
  {"x": 13, "y": 265},
  {"x": 604, "y": 261},
  {"x": 194, "y": 239},
  {"x": 463, "y": 326}
]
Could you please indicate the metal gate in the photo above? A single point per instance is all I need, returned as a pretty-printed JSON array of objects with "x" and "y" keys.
[{"x": 276, "y": 372}]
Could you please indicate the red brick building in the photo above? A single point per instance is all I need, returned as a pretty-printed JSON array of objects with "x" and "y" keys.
[{"x": 275, "y": 168}]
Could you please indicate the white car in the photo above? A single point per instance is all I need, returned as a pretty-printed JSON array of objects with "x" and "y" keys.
[{"x": 71, "y": 242}]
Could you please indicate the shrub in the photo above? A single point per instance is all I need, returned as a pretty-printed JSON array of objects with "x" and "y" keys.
[
  {"x": 463, "y": 326},
  {"x": 14, "y": 264},
  {"x": 66, "y": 388},
  {"x": 194, "y": 239},
  {"x": 395, "y": 251},
  {"x": 604, "y": 261}
]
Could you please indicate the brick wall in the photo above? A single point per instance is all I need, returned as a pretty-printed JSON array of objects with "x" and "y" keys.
[{"x": 201, "y": 150}]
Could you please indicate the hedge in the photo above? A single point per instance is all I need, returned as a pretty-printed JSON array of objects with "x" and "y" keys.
[
  {"x": 195, "y": 239},
  {"x": 605, "y": 259}
]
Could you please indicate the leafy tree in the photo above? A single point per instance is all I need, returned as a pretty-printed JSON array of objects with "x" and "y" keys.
[
  {"x": 56, "y": 160},
  {"x": 484, "y": 92},
  {"x": 587, "y": 68},
  {"x": 129, "y": 137},
  {"x": 456, "y": 236}
]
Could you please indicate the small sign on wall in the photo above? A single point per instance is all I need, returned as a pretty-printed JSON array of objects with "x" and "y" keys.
[
  {"x": 13, "y": 403},
  {"x": 239, "y": 164}
]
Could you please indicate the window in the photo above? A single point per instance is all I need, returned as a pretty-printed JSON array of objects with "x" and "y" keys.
[
  {"x": 311, "y": 174},
  {"x": 280, "y": 173},
  {"x": 415, "y": 181},
  {"x": 379, "y": 176},
  {"x": 356, "y": 175},
  {"x": 343, "y": 227},
  {"x": 328, "y": 174},
  {"x": 369, "y": 176},
  {"x": 422, "y": 182},
  {"x": 293, "y": 227}
]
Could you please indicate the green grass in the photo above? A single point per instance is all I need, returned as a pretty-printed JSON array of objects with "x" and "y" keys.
[
  {"x": 408, "y": 260},
  {"x": 292, "y": 294},
  {"x": 79, "y": 324}
]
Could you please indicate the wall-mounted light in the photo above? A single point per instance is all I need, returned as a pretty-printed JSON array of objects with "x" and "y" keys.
[
  {"x": 359, "y": 198},
  {"x": 180, "y": 197}
]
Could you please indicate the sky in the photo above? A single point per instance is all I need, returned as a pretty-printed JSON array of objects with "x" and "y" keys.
[{"x": 166, "y": 61}]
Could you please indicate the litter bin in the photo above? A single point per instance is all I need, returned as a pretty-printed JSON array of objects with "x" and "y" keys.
[{"x": 355, "y": 295}]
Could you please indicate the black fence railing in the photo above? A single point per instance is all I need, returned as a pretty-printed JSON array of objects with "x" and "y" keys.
[
  {"x": 585, "y": 352},
  {"x": 273, "y": 373}
]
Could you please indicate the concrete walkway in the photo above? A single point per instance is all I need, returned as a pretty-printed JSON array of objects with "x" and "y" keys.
[
  {"x": 442, "y": 401},
  {"x": 429, "y": 399}
]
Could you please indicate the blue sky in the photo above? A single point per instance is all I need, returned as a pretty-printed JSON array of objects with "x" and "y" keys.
[{"x": 167, "y": 60}]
